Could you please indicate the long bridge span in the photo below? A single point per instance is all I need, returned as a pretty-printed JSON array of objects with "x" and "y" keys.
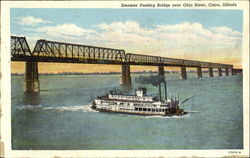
[{"x": 61, "y": 52}]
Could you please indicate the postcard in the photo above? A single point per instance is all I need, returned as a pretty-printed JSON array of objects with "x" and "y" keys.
[{"x": 125, "y": 78}]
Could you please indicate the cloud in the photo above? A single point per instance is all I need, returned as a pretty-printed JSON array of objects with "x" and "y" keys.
[
  {"x": 170, "y": 40},
  {"x": 31, "y": 21},
  {"x": 123, "y": 34},
  {"x": 189, "y": 33},
  {"x": 184, "y": 40},
  {"x": 225, "y": 31},
  {"x": 126, "y": 27},
  {"x": 64, "y": 31},
  {"x": 195, "y": 33}
]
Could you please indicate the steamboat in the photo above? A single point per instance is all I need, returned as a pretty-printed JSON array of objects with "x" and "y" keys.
[{"x": 139, "y": 104}]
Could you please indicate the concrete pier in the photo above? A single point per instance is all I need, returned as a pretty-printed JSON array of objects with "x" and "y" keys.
[
  {"x": 232, "y": 72},
  {"x": 199, "y": 72},
  {"x": 219, "y": 72},
  {"x": 226, "y": 71},
  {"x": 237, "y": 71},
  {"x": 31, "y": 83},
  {"x": 183, "y": 73},
  {"x": 161, "y": 70},
  {"x": 126, "y": 78},
  {"x": 211, "y": 73}
]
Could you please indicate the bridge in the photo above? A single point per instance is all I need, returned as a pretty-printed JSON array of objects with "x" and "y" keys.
[{"x": 61, "y": 52}]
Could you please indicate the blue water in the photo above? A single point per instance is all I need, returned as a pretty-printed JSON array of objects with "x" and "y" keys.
[{"x": 59, "y": 117}]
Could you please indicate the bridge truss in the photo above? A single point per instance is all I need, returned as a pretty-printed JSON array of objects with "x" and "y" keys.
[
  {"x": 19, "y": 46},
  {"x": 53, "y": 51}
]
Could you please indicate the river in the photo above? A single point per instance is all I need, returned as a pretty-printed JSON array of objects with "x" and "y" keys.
[{"x": 60, "y": 117}]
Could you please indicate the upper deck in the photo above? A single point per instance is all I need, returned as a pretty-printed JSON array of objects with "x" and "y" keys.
[
  {"x": 140, "y": 95},
  {"x": 131, "y": 98}
]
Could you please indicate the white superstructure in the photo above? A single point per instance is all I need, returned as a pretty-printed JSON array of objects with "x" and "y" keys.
[{"x": 139, "y": 103}]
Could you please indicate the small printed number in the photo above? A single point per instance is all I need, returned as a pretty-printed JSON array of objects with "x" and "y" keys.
[{"x": 234, "y": 152}]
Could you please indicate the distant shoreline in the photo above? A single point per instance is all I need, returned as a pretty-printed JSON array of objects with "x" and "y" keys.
[
  {"x": 82, "y": 73},
  {"x": 104, "y": 73}
]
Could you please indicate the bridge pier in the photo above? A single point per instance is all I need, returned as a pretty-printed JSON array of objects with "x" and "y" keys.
[
  {"x": 183, "y": 73},
  {"x": 161, "y": 70},
  {"x": 237, "y": 71},
  {"x": 31, "y": 83},
  {"x": 232, "y": 72},
  {"x": 226, "y": 71},
  {"x": 211, "y": 73},
  {"x": 219, "y": 72},
  {"x": 199, "y": 72},
  {"x": 126, "y": 78}
]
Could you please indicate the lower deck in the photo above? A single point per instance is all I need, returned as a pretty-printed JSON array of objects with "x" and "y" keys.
[
  {"x": 134, "y": 109},
  {"x": 138, "y": 110}
]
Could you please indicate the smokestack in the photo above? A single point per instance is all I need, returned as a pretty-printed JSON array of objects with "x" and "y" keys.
[
  {"x": 160, "y": 91},
  {"x": 166, "y": 95},
  {"x": 165, "y": 88},
  {"x": 154, "y": 80}
]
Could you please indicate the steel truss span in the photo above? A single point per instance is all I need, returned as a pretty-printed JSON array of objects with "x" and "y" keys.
[
  {"x": 19, "y": 46},
  {"x": 53, "y": 51}
]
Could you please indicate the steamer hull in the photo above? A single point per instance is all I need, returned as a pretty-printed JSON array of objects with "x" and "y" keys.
[{"x": 179, "y": 113}]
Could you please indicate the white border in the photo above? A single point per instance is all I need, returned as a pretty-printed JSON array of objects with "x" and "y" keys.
[{"x": 5, "y": 84}]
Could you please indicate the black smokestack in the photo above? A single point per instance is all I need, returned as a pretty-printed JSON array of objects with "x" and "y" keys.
[{"x": 154, "y": 80}]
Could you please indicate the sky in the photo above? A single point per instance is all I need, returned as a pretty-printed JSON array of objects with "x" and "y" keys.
[{"x": 207, "y": 35}]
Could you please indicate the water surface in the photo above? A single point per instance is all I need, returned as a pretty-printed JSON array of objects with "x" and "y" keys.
[{"x": 59, "y": 117}]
